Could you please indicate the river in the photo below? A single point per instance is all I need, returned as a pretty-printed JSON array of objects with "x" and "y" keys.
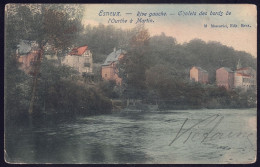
[{"x": 162, "y": 137}]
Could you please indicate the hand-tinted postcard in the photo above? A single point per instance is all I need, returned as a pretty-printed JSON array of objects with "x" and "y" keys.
[{"x": 130, "y": 83}]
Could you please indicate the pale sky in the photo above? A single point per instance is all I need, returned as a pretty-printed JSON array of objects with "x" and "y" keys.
[{"x": 186, "y": 27}]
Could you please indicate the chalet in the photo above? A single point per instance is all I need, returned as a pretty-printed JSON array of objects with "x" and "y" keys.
[
  {"x": 245, "y": 78},
  {"x": 80, "y": 59},
  {"x": 109, "y": 69},
  {"x": 225, "y": 77},
  {"x": 197, "y": 74},
  {"x": 27, "y": 52}
]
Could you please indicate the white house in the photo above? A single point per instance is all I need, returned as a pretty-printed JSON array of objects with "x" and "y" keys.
[
  {"x": 80, "y": 59},
  {"x": 245, "y": 78}
]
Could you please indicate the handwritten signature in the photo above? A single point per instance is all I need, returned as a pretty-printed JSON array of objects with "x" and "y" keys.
[{"x": 205, "y": 131}]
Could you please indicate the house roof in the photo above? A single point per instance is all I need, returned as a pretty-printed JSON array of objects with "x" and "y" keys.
[
  {"x": 227, "y": 69},
  {"x": 199, "y": 68},
  {"x": 78, "y": 51},
  {"x": 244, "y": 68},
  {"x": 244, "y": 75},
  {"x": 113, "y": 56},
  {"x": 25, "y": 46}
]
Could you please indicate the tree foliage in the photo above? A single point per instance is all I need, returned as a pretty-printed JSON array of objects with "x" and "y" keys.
[{"x": 134, "y": 64}]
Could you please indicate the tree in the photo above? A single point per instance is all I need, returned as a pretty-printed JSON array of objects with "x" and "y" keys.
[
  {"x": 133, "y": 66},
  {"x": 61, "y": 90},
  {"x": 17, "y": 87},
  {"x": 44, "y": 24}
]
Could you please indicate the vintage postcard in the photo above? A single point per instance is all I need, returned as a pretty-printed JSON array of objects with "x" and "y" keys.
[{"x": 130, "y": 83}]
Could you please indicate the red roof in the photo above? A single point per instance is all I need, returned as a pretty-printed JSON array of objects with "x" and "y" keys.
[
  {"x": 78, "y": 51},
  {"x": 245, "y": 75},
  {"x": 244, "y": 68}
]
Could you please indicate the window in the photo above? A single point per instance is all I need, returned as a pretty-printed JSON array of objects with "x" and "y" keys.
[
  {"x": 32, "y": 63},
  {"x": 86, "y": 64},
  {"x": 105, "y": 75},
  {"x": 245, "y": 79}
]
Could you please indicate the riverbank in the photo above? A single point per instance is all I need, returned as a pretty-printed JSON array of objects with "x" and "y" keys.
[{"x": 135, "y": 105}]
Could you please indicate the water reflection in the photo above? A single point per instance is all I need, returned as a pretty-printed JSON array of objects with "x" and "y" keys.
[{"x": 127, "y": 138}]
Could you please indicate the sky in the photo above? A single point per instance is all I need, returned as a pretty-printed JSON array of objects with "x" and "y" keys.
[{"x": 177, "y": 21}]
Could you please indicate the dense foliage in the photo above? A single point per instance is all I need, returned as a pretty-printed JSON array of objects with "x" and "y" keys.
[{"x": 61, "y": 90}]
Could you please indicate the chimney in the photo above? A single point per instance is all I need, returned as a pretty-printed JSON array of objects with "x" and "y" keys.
[
  {"x": 239, "y": 64},
  {"x": 114, "y": 49}
]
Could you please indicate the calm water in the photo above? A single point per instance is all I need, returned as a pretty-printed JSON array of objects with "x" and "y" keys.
[{"x": 185, "y": 136}]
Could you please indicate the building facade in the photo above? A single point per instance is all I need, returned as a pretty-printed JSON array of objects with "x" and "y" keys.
[
  {"x": 109, "y": 69},
  {"x": 225, "y": 77},
  {"x": 27, "y": 53},
  {"x": 197, "y": 74},
  {"x": 245, "y": 78},
  {"x": 80, "y": 59}
]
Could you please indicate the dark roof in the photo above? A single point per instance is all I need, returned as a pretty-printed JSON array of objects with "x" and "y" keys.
[
  {"x": 25, "y": 46},
  {"x": 113, "y": 56}
]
